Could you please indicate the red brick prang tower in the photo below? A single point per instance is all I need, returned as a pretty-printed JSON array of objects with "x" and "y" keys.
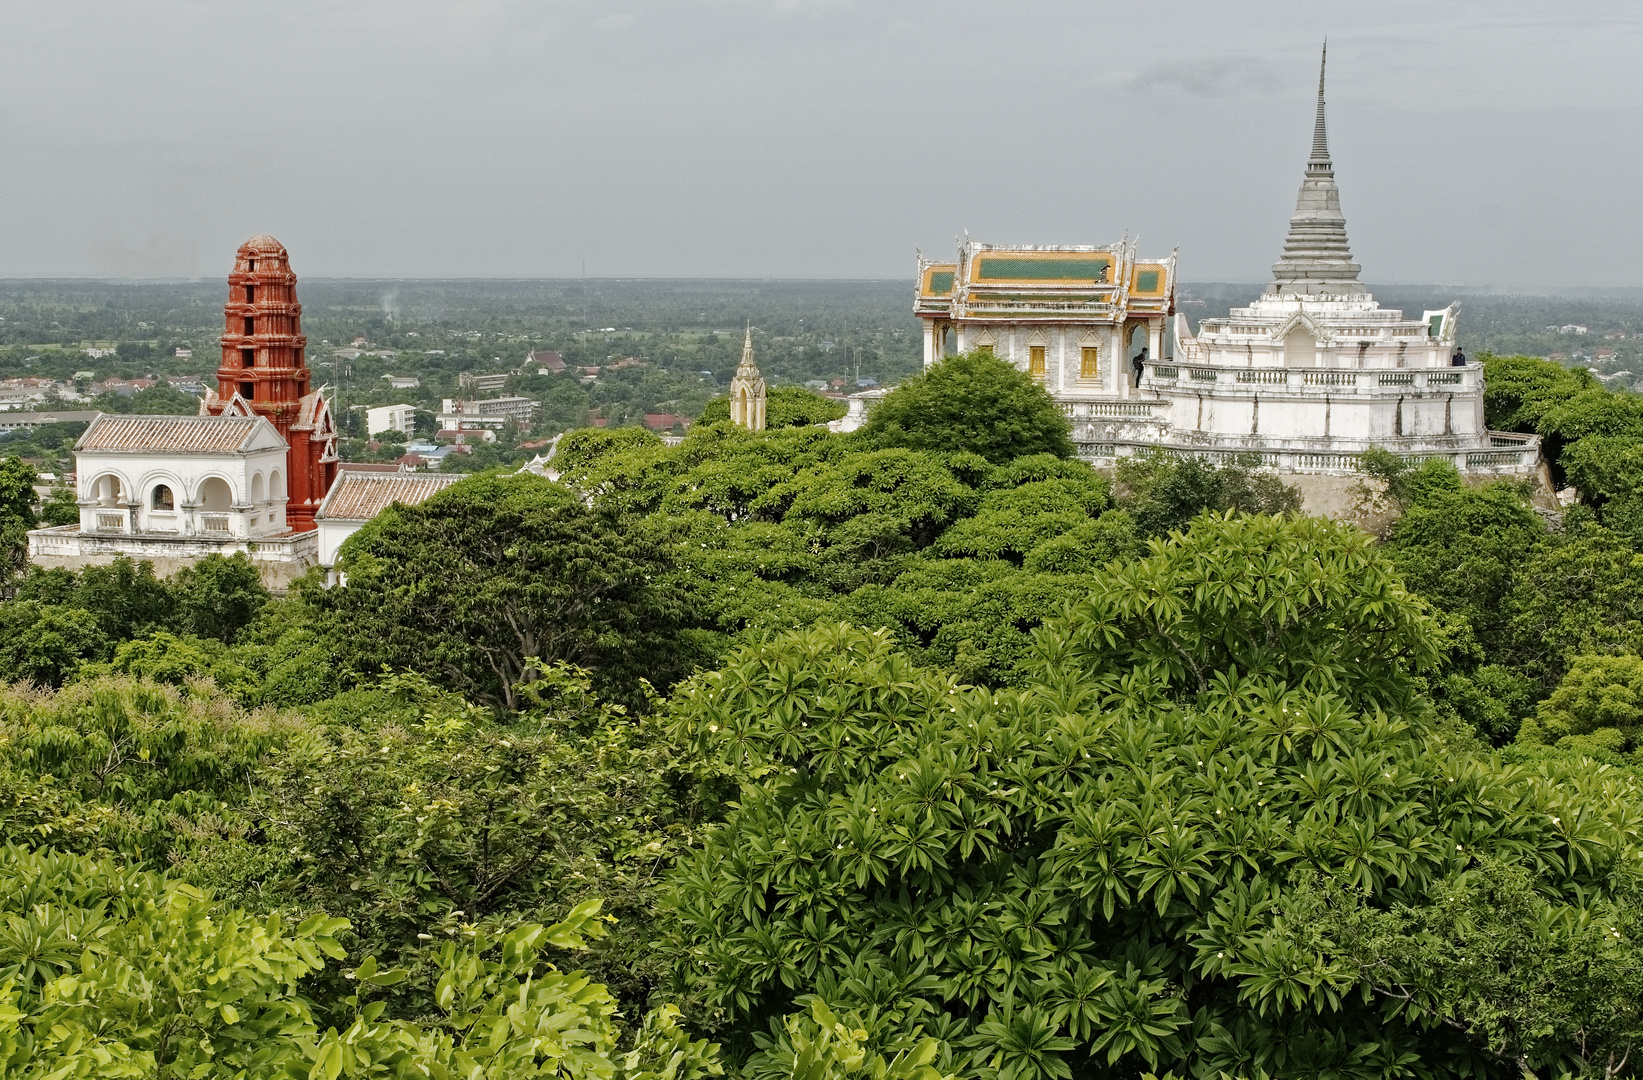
[{"x": 265, "y": 372}]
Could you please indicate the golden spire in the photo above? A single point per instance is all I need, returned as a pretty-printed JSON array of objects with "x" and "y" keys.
[{"x": 747, "y": 390}]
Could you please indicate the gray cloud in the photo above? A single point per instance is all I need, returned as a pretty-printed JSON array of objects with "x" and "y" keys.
[{"x": 1211, "y": 77}]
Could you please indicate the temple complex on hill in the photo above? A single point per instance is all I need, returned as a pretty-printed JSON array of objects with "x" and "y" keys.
[
  {"x": 249, "y": 473},
  {"x": 1308, "y": 376}
]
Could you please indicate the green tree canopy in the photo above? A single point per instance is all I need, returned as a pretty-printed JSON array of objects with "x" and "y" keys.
[
  {"x": 975, "y": 402},
  {"x": 1089, "y": 877},
  {"x": 1597, "y": 706},
  {"x": 476, "y": 581},
  {"x": 1162, "y": 492}
]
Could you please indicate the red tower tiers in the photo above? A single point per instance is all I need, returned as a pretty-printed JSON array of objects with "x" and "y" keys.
[{"x": 264, "y": 372}]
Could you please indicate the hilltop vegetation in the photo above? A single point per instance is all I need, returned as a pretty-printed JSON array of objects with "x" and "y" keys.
[{"x": 920, "y": 752}]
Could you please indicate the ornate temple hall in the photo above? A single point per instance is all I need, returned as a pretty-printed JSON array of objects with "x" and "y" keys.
[{"x": 1308, "y": 376}]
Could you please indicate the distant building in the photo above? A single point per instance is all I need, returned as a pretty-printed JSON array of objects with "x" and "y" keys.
[
  {"x": 400, "y": 418},
  {"x": 486, "y": 412},
  {"x": 183, "y": 354},
  {"x": 97, "y": 352},
  {"x": 546, "y": 362},
  {"x": 122, "y": 387},
  {"x": 486, "y": 382},
  {"x": 654, "y": 421},
  {"x": 402, "y": 382},
  {"x": 27, "y": 421},
  {"x": 467, "y": 434}
]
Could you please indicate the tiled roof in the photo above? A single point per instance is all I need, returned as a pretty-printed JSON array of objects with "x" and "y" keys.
[
  {"x": 173, "y": 434},
  {"x": 359, "y": 496}
]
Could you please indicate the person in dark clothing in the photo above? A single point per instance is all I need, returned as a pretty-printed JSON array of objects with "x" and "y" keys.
[
  {"x": 1139, "y": 362},
  {"x": 1459, "y": 359}
]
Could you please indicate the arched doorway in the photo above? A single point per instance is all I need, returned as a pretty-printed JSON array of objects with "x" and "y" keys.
[{"x": 1135, "y": 351}]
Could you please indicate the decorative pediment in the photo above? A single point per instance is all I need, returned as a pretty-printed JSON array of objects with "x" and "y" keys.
[
  {"x": 236, "y": 406},
  {"x": 1038, "y": 337},
  {"x": 1302, "y": 319}
]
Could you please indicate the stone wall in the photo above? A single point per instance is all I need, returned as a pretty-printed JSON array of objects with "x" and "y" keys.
[{"x": 279, "y": 561}]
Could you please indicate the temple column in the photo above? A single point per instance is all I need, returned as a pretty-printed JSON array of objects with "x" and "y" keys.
[
  {"x": 1120, "y": 362},
  {"x": 932, "y": 338},
  {"x": 1155, "y": 340}
]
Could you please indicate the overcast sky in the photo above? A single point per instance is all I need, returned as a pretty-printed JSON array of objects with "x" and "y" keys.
[{"x": 1481, "y": 144}]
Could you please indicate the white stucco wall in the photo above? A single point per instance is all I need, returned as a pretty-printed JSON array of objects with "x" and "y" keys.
[{"x": 331, "y": 535}]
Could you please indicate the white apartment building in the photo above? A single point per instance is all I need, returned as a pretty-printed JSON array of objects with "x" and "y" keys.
[{"x": 401, "y": 418}]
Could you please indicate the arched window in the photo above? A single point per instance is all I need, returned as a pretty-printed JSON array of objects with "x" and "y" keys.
[
  {"x": 256, "y": 490},
  {"x": 106, "y": 490},
  {"x": 215, "y": 495},
  {"x": 162, "y": 498},
  {"x": 276, "y": 485}
]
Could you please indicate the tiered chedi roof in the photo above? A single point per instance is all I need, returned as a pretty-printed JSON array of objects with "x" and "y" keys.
[{"x": 1316, "y": 259}]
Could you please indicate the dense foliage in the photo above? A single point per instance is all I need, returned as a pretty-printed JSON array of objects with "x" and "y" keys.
[
  {"x": 868, "y": 755},
  {"x": 477, "y": 581},
  {"x": 1120, "y": 866}
]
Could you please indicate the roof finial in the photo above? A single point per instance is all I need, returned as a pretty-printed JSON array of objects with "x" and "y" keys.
[{"x": 1320, "y": 141}]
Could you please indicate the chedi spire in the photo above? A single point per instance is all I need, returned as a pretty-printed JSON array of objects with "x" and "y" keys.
[
  {"x": 1316, "y": 259},
  {"x": 747, "y": 389}
]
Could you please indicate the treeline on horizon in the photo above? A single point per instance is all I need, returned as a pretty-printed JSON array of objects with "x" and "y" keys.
[{"x": 918, "y": 752}]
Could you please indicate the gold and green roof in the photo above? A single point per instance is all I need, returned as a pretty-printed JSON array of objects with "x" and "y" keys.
[
  {"x": 937, "y": 279},
  {"x": 1012, "y": 283}
]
